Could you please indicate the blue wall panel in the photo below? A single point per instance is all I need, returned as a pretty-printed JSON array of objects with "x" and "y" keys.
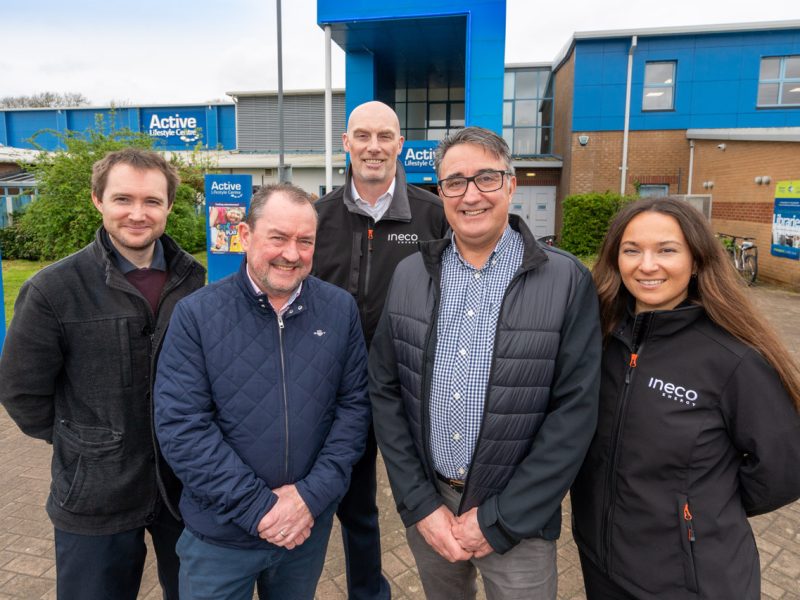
[
  {"x": 217, "y": 124},
  {"x": 483, "y": 56},
  {"x": 716, "y": 81}
]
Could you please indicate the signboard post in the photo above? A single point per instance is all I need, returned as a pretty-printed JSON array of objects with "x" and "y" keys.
[
  {"x": 227, "y": 203},
  {"x": 786, "y": 220}
]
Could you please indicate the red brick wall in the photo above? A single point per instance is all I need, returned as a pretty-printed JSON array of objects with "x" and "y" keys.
[
  {"x": 739, "y": 205},
  {"x": 654, "y": 157}
]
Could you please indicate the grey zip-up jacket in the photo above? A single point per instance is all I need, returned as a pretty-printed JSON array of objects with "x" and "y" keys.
[
  {"x": 77, "y": 371},
  {"x": 540, "y": 409}
]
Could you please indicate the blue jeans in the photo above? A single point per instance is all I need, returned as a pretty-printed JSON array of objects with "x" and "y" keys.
[
  {"x": 211, "y": 572},
  {"x": 98, "y": 567}
]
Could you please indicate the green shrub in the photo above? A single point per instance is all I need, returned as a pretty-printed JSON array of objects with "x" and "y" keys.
[
  {"x": 63, "y": 219},
  {"x": 586, "y": 220},
  {"x": 182, "y": 224},
  {"x": 14, "y": 244}
]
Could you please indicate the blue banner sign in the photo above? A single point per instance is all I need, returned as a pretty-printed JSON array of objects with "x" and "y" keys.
[
  {"x": 786, "y": 220},
  {"x": 418, "y": 156},
  {"x": 174, "y": 128},
  {"x": 227, "y": 203}
]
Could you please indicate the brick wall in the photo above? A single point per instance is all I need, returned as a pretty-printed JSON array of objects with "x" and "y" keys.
[
  {"x": 562, "y": 130},
  {"x": 739, "y": 205},
  {"x": 654, "y": 157}
]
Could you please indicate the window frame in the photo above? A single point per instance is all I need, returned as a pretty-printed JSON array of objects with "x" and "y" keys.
[
  {"x": 646, "y": 87},
  {"x": 781, "y": 80}
]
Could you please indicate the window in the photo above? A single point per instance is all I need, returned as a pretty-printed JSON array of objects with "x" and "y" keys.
[
  {"x": 653, "y": 190},
  {"x": 779, "y": 81},
  {"x": 659, "y": 85},
  {"x": 528, "y": 110},
  {"x": 429, "y": 113}
]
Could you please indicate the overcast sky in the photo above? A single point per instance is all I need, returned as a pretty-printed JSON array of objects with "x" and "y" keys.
[{"x": 192, "y": 51}]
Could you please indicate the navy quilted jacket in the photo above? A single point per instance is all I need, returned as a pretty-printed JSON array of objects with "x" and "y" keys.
[{"x": 245, "y": 404}]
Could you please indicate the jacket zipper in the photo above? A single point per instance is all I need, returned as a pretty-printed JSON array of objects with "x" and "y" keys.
[
  {"x": 639, "y": 330},
  {"x": 370, "y": 235},
  {"x": 285, "y": 399}
]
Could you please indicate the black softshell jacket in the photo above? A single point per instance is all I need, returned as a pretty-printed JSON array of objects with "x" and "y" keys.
[
  {"x": 695, "y": 434},
  {"x": 359, "y": 255}
]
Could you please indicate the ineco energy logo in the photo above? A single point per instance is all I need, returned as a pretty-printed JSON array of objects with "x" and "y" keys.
[{"x": 678, "y": 393}]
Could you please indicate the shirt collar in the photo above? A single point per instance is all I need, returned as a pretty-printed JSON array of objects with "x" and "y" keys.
[
  {"x": 158, "y": 263},
  {"x": 381, "y": 204},
  {"x": 499, "y": 248},
  {"x": 258, "y": 292}
]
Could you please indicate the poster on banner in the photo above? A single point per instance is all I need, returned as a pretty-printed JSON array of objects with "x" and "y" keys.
[
  {"x": 786, "y": 220},
  {"x": 223, "y": 224},
  {"x": 227, "y": 203}
]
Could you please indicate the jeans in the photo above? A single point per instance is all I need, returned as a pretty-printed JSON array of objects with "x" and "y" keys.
[
  {"x": 212, "y": 572},
  {"x": 98, "y": 567}
]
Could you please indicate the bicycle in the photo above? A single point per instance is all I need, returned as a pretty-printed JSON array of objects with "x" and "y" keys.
[{"x": 744, "y": 254}]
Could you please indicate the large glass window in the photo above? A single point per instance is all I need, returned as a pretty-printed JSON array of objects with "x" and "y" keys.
[
  {"x": 659, "y": 85},
  {"x": 429, "y": 113},
  {"x": 528, "y": 110},
  {"x": 779, "y": 81}
]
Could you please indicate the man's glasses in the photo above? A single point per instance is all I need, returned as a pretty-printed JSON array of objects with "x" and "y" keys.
[{"x": 486, "y": 181}]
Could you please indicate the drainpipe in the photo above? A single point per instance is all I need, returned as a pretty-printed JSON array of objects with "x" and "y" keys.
[
  {"x": 624, "y": 167},
  {"x": 691, "y": 167},
  {"x": 328, "y": 114}
]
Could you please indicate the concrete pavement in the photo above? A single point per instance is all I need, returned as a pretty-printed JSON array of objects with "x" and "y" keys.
[{"x": 26, "y": 539}]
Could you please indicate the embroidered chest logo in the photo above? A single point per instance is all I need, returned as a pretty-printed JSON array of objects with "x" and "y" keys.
[
  {"x": 319, "y": 333},
  {"x": 676, "y": 393}
]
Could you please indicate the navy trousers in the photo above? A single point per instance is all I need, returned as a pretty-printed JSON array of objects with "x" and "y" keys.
[
  {"x": 358, "y": 515},
  {"x": 105, "y": 567}
]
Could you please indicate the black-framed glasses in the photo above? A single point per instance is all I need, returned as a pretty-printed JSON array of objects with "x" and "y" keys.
[{"x": 485, "y": 181}]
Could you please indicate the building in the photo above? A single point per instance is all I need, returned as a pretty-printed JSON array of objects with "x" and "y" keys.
[{"x": 711, "y": 113}]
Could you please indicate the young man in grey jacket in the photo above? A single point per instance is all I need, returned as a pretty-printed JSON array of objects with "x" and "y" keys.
[{"x": 77, "y": 371}]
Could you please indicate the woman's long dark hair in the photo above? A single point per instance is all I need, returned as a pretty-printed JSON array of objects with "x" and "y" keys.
[{"x": 718, "y": 287}]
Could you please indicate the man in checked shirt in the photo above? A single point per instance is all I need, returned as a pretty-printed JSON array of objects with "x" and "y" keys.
[{"x": 484, "y": 378}]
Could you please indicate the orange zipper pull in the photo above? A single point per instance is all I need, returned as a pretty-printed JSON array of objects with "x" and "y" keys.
[
  {"x": 369, "y": 233},
  {"x": 687, "y": 516},
  {"x": 632, "y": 363}
]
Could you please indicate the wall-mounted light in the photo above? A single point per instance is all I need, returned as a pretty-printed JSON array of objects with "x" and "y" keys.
[
  {"x": 530, "y": 174},
  {"x": 722, "y": 146},
  {"x": 583, "y": 140},
  {"x": 341, "y": 171},
  {"x": 758, "y": 180},
  {"x": 708, "y": 185},
  {"x": 763, "y": 179}
]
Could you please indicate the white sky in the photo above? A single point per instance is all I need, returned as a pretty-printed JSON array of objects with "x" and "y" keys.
[{"x": 188, "y": 51}]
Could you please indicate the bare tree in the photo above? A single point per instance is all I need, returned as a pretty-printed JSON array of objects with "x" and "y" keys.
[{"x": 45, "y": 100}]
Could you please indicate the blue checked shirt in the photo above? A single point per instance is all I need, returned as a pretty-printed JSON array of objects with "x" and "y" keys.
[{"x": 468, "y": 311}]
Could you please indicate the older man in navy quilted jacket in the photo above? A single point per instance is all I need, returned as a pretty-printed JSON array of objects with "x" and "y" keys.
[{"x": 262, "y": 410}]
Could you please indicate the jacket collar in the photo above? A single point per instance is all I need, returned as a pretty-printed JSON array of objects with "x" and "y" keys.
[
  {"x": 178, "y": 262},
  {"x": 399, "y": 209},
  {"x": 533, "y": 255},
  {"x": 659, "y": 323}
]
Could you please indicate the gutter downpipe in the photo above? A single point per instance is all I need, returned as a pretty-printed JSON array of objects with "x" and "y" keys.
[
  {"x": 691, "y": 168},
  {"x": 328, "y": 114},
  {"x": 624, "y": 167}
]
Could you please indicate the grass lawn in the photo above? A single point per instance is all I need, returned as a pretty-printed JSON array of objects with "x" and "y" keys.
[{"x": 16, "y": 272}]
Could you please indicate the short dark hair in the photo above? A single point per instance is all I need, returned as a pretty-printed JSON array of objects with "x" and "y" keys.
[
  {"x": 487, "y": 139},
  {"x": 139, "y": 159},
  {"x": 264, "y": 193}
]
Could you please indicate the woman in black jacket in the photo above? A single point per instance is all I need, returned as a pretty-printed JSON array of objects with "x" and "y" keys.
[{"x": 698, "y": 425}]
